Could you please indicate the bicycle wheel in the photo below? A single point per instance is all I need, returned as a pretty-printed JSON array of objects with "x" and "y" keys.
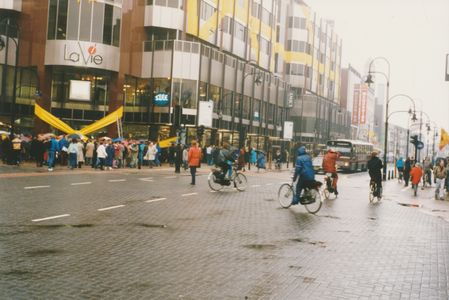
[
  {"x": 285, "y": 195},
  {"x": 326, "y": 192},
  {"x": 240, "y": 182},
  {"x": 315, "y": 206},
  {"x": 213, "y": 185},
  {"x": 371, "y": 192}
]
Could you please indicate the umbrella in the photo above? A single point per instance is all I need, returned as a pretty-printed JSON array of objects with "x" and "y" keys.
[
  {"x": 44, "y": 135},
  {"x": 5, "y": 133},
  {"x": 118, "y": 140},
  {"x": 25, "y": 139},
  {"x": 105, "y": 138},
  {"x": 60, "y": 136},
  {"x": 77, "y": 136},
  {"x": 232, "y": 148},
  {"x": 259, "y": 151},
  {"x": 143, "y": 140}
]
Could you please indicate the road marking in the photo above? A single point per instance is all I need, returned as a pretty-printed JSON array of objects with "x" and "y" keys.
[
  {"x": 49, "y": 218},
  {"x": 189, "y": 194},
  {"x": 37, "y": 187},
  {"x": 149, "y": 178},
  {"x": 255, "y": 185},
  {"x": 269, "y": 184},
  {"x": 112, "y": 207},
  {"x": 404, "y": 189},
  {"x": 170, "y": 177},
  {"x": 80, "y": 183},
  {"x": 212, "y": 191},
  {"x": 158, "y": 199},
  {"x": 117, "y": 180}
]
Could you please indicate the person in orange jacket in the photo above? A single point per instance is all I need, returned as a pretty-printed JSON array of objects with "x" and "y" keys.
[
  {"x": 415, "y": 175},
  {"x": 329, "y": 162},
  {"x": 193, "y": 159}
]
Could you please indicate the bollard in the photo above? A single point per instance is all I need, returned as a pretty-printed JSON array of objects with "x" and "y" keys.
[{"x": 389, "y": 175}]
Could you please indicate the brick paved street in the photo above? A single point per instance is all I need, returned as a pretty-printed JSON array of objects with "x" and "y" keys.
[{"x": 109, "y": 242}]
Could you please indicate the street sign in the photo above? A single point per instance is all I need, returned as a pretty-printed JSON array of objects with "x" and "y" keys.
[{"x": 420, "y": 145}]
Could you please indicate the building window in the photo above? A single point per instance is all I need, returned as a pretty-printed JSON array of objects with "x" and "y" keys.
[
  {"x": 256, "y": 10},
  {"x": 107, "y": 27},
  {"x": 62, "y": 20},
  {"x": 184, "y": 93},
  {"x": 207, "y": 11},
  {"x": 266, "y": 17},
  {"x": 52, "y": 13},
  {"x": 239, "y": 31}
]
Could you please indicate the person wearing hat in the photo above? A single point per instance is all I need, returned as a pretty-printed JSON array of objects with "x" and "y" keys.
[
  {"x": 415, "y": 176},
  {"x": 329, "y": 161},
  {"x": 440, "y": 174},
  {"x": 375, "y": 172}
]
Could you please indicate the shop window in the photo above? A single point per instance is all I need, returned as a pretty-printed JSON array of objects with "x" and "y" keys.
[
  {"x": 203, "y": 91},
  {"x": 184, "y": 93},
  {"x": 144, "y": 88},
  {"x": 162, "y": 85},
  {"x": 214, "y": 94},
  {"x": 226, "y": 102}
]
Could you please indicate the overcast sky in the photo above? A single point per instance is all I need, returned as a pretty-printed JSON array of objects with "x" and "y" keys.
[{"x": 413, "y": 35}]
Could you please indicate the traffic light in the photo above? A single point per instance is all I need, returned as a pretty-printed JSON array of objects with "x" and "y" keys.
[
  {"x": 414, "y": 140},
  {"x": 200, "y": 132},
  {"x": 177, "y": 115}
]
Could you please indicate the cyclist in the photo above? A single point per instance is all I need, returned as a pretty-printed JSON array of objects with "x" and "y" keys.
[
  {"x": 304, "y": 170},
  {"x": 400, "y": 166},
  {"x": 375, "y": 173},
  {"x": 427, "y": 169},
  {"x": 415, "y": 176},
  {"x": 277, "y": 160},
  {"x": 225, "y": 160},
  {"x": 329, "y": 167}
]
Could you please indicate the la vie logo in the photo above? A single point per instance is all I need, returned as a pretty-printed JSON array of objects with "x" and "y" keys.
[{"x": 89, "y": 57}]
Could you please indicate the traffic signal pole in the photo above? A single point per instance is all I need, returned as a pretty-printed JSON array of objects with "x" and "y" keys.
[{"x": 177, "y": 115}]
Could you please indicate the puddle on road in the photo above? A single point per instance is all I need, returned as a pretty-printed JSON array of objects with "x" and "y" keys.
[
  {"x": 150, "y": 225},
  {"x": 260, "y": 246},
  {"x": 16, "y": 273},
  {"x": 44, "y": 252}
]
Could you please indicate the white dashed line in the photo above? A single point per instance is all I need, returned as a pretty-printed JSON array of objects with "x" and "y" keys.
[
  {"x": 80, "y": 183},
  {"x": 149, "y": 178},
  {"x": 189, "y": 194},
  {"x": 112, "y": 207},
  {"x": 158, "y": 199},
  {"x": 269, "y": 184},
  {"x": 170, "y": 177},
  {"x": 212, "y": 191},
  {"x": 49, "y": 218},
  {"x": 255, "y": 185},
  {"x": 117, "y": 180},
  {"x": 37, "y": 187}
]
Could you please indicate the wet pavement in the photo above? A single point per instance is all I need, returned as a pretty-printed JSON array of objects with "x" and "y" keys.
[{"x": 148, "y": 234}]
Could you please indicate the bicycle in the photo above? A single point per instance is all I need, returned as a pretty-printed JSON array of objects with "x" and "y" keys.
[
  {"x": 400, "y": 177},
  {"x": 311, "y": 196},
  {"x": 217, "y": 180},
  {"x": 373, "y": 191},
  {"x": 328, "y": 183}
]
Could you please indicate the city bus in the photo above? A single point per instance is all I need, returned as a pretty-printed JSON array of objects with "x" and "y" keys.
[{"x": 354, "y": 154}]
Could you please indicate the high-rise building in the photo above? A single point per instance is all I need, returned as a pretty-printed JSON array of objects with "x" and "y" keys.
[{"x": 258, "y": 61}]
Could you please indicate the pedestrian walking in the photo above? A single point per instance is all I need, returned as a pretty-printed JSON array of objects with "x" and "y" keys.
[
  {"x": 151, "y": 154},
  {"x": 101, "y": 154},
  {"x": 134, "y": 152},
  {"x": 73, "y": 153},
  {"x": 427, "y": 169},
  {"x": 80, "y": 156},
  {"x": 261, "y": 162},
  {"x": 415, "y": 176},
  {"x": 241, "y": 161},
  {"x": 63, "y": 143},
  {"x": 209, "y": 155},
  {"x": 440, "y": 175},
  {"x": 253, "y": 156},
  {"x": 158, "y": 155},
  {"x": 193, "y": 159},
  {"x": 185, "y": 158},
  {"x": 407, "y": 170},
  {"x": 171, "y": 154},
  {"x": 52, "y": 151},
  {"x": 215, "y": 155},
  {"x": 90, "y": 147},
  {"x": 110, "y": 150}
]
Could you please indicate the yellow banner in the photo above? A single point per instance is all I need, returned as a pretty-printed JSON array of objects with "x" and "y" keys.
[
  {"x": 57, "y": 123},
  {"x": 166, "y": 143},
  {"x": 444, "y": 139}
]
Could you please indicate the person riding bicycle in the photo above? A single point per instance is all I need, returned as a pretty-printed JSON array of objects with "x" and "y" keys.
[
  {"x": 225, "y": 160},
  {"x": 329, "y": 167},
  {"x": 427, "y": 169},
  {"x": 375, "y": 173},
  {"x": 304, "y": 170},
  {"x": 278, "y": 159},
  {"x": 400, "y": 165}
]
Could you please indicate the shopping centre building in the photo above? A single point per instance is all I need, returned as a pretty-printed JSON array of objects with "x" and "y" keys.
[{"x": 260, "y": 62}]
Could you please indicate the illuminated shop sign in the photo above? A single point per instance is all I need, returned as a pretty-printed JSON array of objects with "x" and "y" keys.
[{"x": 161, "y": 99}]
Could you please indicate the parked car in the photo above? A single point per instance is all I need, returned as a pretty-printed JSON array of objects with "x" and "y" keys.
[{"x": 317, "y": 164}]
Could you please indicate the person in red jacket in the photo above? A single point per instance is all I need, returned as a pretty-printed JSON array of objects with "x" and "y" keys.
[
  {"x": 329, "y": 166},
  {"x": 415, "y": 175},
  {"x": 193, "y": 159}
]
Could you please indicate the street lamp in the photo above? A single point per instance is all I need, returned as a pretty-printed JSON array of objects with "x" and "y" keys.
[
  {"x": 258, "y": 80},
  {"x": 386, "y": 132}
]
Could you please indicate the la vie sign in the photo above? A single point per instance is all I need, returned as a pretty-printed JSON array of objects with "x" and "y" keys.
[{"x": 86, "y": 57}]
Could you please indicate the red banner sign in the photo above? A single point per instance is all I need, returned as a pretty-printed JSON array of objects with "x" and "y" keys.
[
  {"x": 355, "y": 107},
  {"x": 363, "y": 101}
]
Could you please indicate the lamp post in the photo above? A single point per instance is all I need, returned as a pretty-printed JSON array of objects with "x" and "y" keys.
[
  {"x": 418, "y": 154},
  {"x": 386, "y": 133},
  {"x": 433, "y": 147},
  {"x": 258, "y": 81}
]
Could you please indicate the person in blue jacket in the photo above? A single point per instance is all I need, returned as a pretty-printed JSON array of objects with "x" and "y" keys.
[
  {"x": 253, "y": 157},
  {"x": 304, "y": 170},
  {"x": 400, "y": 165},
  {"x": 158, "y": 154},
  {"x": 261, "y": 162}
]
